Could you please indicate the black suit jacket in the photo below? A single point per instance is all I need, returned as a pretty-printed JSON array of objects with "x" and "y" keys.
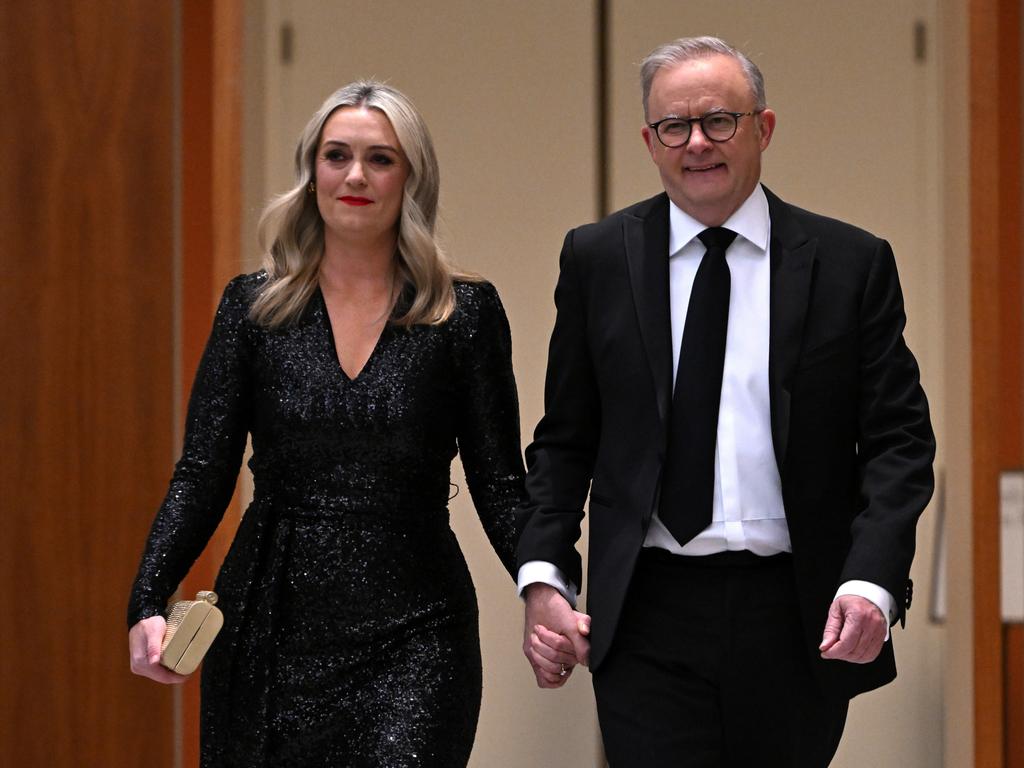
[{"x": 850, "y": 423}]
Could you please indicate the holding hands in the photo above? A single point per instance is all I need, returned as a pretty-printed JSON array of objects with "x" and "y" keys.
[{"x": 555, "y": 636}]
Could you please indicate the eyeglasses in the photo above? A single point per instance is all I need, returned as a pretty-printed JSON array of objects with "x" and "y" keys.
[{"x": 716, "y": 126}]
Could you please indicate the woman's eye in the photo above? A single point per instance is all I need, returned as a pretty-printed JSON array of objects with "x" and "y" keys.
[
  {"x": 382, "y": 159},
  {"x": 334, "y": 156}
]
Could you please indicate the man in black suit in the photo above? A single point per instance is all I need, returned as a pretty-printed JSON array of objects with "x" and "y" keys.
[{"x": 729, "y": 372}]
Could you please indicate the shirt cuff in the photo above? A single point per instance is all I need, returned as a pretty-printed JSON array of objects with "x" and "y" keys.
[
  {"x": 880, "y": 596},
  {"x": 546, "y": 573}
]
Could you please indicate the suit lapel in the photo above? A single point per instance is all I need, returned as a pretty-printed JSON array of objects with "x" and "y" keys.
[
  {"x": 792, "y": 268},
  {"x": 792, "y": 254},
  {"x": 646, "y": 241}
]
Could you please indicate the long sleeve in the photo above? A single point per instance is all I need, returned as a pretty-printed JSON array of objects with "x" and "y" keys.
[
  {"x": 895, "y": 446},
  {"x": 562, "y": 454},
  {"x": 204, "y": 477},
  {"x": 488, "y": 430}
]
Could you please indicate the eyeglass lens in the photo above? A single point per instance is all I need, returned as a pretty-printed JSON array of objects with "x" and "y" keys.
[{"x": 716, "y": 126}]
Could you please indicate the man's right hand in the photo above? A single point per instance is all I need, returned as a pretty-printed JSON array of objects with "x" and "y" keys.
[{"x": 554, "y": 635}]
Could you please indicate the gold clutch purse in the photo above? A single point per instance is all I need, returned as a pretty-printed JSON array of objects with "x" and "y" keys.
[{"x": 191, "y": 627}]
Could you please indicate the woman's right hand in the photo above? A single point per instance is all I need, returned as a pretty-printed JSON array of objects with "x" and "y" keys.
[{"x": 144, "y": 641}]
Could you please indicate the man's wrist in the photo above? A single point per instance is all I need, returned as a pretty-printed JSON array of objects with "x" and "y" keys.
[
  {"x": 878, "y": 596},
  {"x": 539, "y": 571}
]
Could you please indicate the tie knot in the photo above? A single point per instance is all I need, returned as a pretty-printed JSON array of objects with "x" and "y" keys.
[{"x": 717, "y": 238}]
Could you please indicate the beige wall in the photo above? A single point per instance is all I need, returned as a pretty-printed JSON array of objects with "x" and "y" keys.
[
  {"x": 958, "y": 653},
  {"x": 509, "y": 93}
]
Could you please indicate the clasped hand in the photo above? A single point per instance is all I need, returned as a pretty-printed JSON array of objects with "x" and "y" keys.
[{"x": 554, "y": 637}]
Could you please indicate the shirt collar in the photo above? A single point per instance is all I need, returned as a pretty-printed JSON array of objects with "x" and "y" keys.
[{"x": 749, "y": 221}]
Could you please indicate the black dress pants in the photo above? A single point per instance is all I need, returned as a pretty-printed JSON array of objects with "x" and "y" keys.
[{"x": 709, "y": 669}]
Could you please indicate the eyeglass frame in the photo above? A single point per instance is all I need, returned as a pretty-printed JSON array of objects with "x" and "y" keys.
[{"x": 691, "y": 120}]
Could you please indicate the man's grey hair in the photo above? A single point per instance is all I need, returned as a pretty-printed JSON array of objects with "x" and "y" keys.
[{"x": 689, "y": 48}]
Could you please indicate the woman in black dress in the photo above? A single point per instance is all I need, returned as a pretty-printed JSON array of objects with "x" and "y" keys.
[{"x": 360, "y": 363}]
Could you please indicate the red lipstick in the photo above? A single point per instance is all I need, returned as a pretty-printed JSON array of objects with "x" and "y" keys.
[{"x": 352, "y": 200}]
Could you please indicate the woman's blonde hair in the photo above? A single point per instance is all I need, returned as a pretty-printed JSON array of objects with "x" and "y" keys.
[{"x": 291, "y": 230}]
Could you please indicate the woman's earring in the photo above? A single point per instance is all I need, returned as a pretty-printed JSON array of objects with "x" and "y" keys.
[{"x": 312, "y": 187}]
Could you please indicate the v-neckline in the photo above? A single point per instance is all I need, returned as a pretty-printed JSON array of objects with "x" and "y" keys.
[{"x": 334, "y": 346}]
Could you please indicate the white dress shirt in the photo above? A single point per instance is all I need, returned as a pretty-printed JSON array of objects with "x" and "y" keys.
[{"x": 748, "y": 511}]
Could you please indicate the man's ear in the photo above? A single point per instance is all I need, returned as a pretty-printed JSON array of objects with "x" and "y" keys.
[
  {"x": 766, "y": 127},
  {"x": 649, "y": 139}
]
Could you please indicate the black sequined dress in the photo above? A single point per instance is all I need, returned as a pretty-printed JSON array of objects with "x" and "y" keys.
[{"x": 351, "y": 635}]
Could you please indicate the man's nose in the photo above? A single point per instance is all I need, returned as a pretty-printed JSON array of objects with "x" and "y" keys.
[{"x": 698, "y": 141}]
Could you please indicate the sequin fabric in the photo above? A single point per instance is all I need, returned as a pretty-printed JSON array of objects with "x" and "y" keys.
[{"x": 351, "y": 635}]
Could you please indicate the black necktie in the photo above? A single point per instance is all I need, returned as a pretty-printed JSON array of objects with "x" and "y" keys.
[{"x": 688, "y": 481}]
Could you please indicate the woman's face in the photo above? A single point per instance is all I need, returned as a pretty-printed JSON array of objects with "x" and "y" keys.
[{"x": 360, "y": 175}]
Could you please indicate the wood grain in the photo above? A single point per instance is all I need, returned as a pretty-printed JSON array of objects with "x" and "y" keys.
[
  {"x": 996, "y": 323},
  {"x": 1014, "y": 719},
  {"x": 85, "y": 371}
]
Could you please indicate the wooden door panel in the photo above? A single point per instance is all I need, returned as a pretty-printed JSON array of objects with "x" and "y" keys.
[{"x": 85, "y": 370}]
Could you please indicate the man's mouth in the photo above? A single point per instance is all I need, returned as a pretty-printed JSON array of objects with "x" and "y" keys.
[{"x": 704, "y": 168}]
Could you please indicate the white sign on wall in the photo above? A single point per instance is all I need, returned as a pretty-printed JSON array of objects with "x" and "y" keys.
[{"x": 1011, "y": 511}]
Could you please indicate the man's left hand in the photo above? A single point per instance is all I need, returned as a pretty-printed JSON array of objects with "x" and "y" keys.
[{"x": 854, "y": 632}]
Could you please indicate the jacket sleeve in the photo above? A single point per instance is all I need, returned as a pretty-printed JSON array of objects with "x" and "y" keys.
[
  {"x": 560, "y": 460},
  {"x": 896, "y": 445}
]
